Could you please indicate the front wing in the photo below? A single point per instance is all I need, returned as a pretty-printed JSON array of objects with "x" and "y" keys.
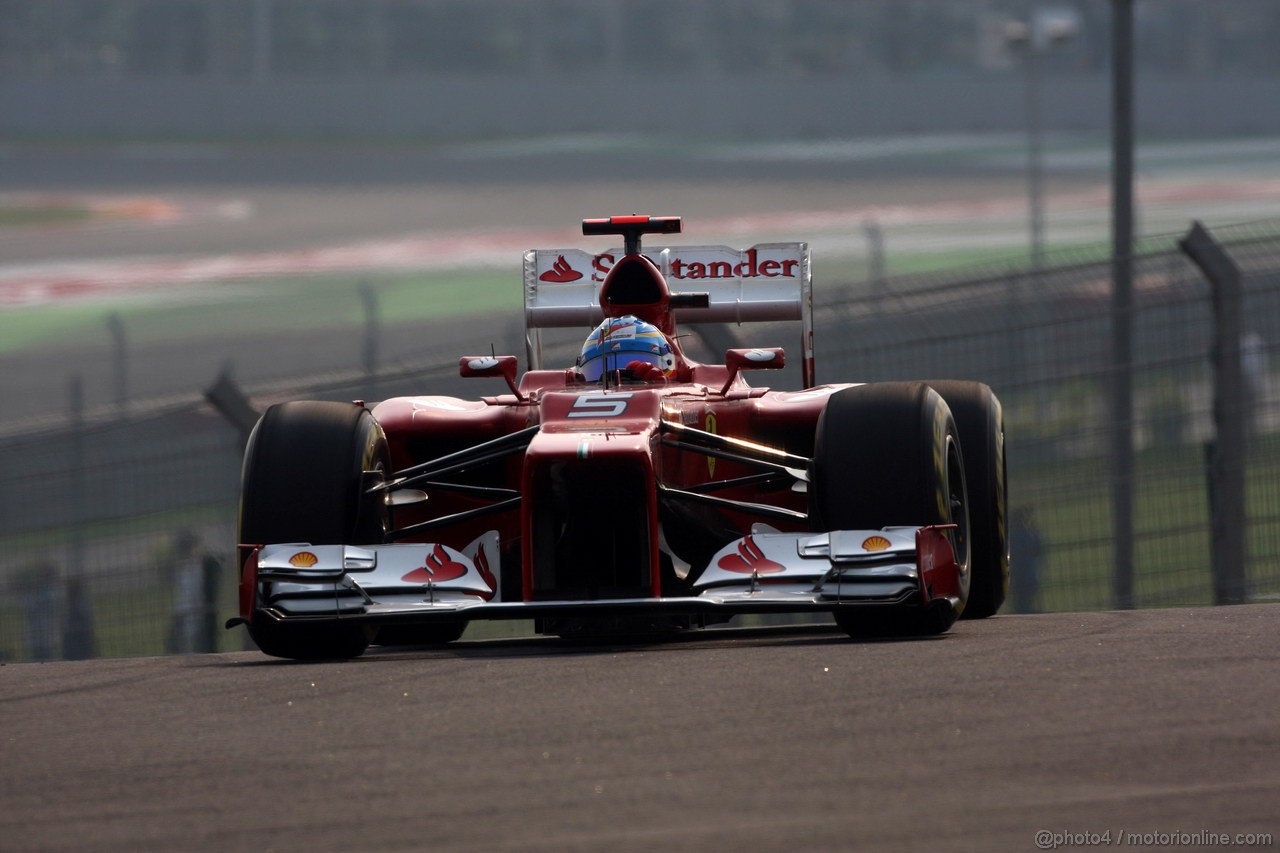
[{"x": 765, "y": 572}]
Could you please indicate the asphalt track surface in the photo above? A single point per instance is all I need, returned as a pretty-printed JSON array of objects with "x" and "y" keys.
[{"x": 1159, "y": 721}]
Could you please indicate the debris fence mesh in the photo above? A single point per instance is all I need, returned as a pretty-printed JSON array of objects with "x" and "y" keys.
[{"x": 118, "y": 527}]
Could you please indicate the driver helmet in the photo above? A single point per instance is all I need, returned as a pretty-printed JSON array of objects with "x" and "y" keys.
[{"x": 619, "y": 343}]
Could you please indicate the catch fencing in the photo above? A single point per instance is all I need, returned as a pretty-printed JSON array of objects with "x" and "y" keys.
[{"x": 117, "y": 528}]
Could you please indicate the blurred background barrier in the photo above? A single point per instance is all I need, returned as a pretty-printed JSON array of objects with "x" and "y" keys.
[
  {"x": 117, "y": 523},
  {"x": 464, "y": 69}
]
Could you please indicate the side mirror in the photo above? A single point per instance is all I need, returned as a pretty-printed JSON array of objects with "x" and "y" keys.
[
  {"x": 764, "y": 358},
  {"x": 471, "y": 366}
]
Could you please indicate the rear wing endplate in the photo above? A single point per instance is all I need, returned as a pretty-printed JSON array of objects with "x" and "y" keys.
[{"x": 769, "y": 281}]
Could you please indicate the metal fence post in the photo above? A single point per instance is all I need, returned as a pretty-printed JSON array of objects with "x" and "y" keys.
[
  {"x": 120, "y": 360},
  {"x": 225, "y": 396},
  {"x": 77, "y": 614},
  {"x": 1122, "y": 302},
  {"x": 1227, "y": 510},
  {"x": 263, "y": 61},
  {"x": 875, "y": 263},
  {"x": 372, "y": 332}
]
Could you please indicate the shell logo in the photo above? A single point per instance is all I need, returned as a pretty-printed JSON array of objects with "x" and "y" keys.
[
  {"x": 303, "y": 560},
  {"x": 876, "y": 543}
]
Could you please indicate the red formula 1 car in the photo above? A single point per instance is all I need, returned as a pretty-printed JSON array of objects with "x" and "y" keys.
[{"x": 635, "y": 491}]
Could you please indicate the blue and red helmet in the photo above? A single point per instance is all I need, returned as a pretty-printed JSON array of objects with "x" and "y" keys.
[{"x": 618, "y": 342}]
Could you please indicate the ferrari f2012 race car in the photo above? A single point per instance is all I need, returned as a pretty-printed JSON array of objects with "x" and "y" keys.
[{"x": 635, "y": 491}]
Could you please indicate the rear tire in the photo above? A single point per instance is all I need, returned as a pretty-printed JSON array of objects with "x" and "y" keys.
[
  {"x": 888, "y": 454},
  {"x": 304, "y": 480},
  {"x": 980, "y": 420}
]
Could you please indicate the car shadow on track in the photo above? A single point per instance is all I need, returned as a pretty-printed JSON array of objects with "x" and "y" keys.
[{"x": 551, "y": 647}]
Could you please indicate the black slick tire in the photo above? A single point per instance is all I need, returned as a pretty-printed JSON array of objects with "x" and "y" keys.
[
  {"x": 304, "y": 480},
  {"x": 980, "y": 419},
  {"x": 888, "y": 454}
]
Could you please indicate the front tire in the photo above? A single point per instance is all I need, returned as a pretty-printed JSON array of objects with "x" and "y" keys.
[
  {"x": 889, "y": 454},
  {"x": 306, "y": 470}
]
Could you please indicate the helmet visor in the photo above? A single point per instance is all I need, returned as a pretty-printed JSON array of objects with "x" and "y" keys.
[{"x": 593, "y": 368}]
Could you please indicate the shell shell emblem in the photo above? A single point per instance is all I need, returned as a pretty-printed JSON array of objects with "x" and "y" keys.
[
  {"x": 303, "y": 560},
  {"x": 876, "y": 543}
]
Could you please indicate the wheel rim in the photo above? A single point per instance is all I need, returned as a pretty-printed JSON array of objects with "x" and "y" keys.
[{"x": 958, "y": 497}]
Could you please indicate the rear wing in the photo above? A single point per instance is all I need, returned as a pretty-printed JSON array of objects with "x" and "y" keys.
[{"x": 769, "y": 281}]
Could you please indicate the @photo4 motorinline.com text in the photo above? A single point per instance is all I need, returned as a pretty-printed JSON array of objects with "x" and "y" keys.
[{"x": 1056, "y": 840}]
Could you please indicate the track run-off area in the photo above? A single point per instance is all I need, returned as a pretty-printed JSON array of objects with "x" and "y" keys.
[
  {"x": 142, "y": 226},
  {"x": 174, "y": 262},
  {"x": 1156, "y": 729}
]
